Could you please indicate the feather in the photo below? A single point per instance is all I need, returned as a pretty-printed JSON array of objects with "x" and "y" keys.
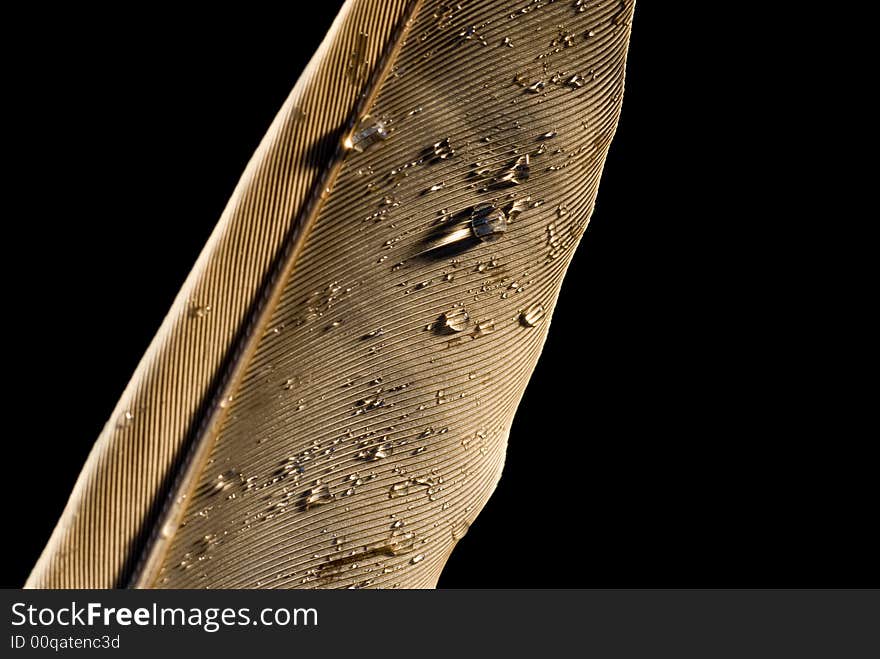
[{"x": 328, "y": 401}]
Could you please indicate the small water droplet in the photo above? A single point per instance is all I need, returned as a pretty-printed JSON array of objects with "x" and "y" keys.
[
  {"x": 532, "y": 316},
  {"x": 317, "y": 496},
  {"x": 513, "y": 174},
  {"x": 536, "y": 88},
  {"x": 517, "y": 207},
  {"x": 507, "y": 42},
  {"x": 442, "y": 149},
  {"x": 199, "y": 310},
  {"x": 399, "y": 489},
  {"x": 125, "y": 419},
  {"x": 418, "y": 559},
  {"x": 376, "y": 453},
  {"x": 226, "y": 480}
]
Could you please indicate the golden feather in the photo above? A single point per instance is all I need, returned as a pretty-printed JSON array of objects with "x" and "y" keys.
[{"x": 327, "y": 403}]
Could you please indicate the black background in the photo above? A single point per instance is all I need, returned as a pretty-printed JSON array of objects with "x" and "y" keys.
[{"x": 700, "y": 355}]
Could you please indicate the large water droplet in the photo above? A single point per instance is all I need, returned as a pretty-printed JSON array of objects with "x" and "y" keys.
[
  {"x": 455, "y": 320},
  {"x": 532, "y": 316},
  {"x": 368, "y": 132},
  {"x": 488, "y": 222}
]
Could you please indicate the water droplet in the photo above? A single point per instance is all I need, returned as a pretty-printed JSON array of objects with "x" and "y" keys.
[
  {"x": 376, "y": 332},
  {"x": 455, "y": 320},
  {"x": 368, "y": 132},
  {"x": 399, "y": 489},
  {"x": 318, "y": 495},
  {"x": 548, "y": 135},
  {"x": 418, "y": 559},
  {"x": 471, "y": 33},
  {"x": 199, "y": 310},
  {"x": 401, "y": 542},
  {"x": 513, "y": 174},
  {"x": 125, "y": 419},
  {"x": 536, "y": 88},
  {"x": 442, "y": 149},
  {"x": 507, "y": 42},
  {"x": 517, "y": 207},
  {"x": 226, "y": 480},
  {"x": 532, "y": 316},
  {"x": 484, "y": 327},
  {"x": 376, "y": 453},
  {"x": 488, "y": 222}
]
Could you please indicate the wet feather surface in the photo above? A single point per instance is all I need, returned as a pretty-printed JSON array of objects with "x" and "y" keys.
[{"x": 327, "y": 404}]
